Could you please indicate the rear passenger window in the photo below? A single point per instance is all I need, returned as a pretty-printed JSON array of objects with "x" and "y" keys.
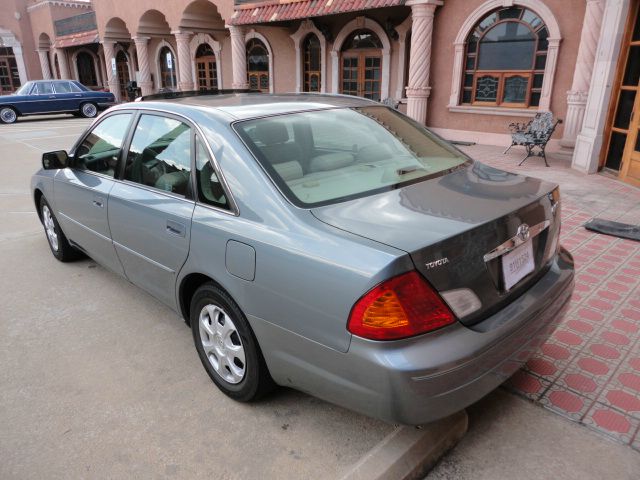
[
  {"x": 44, "y": 88},
  {"x": 63, "y": 87},
  {"x": 100, "y": 150},
  {"x": 160, "y": 154},
  {"x": 210, "y": 189}
]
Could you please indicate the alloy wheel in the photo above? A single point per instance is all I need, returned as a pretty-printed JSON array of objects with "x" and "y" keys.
[
  {"x": 50, "y": 228},
  {"x": 8, "y": 115},
  {"x": 89, "y": 110},
  {"x": 222, "y": 344}
]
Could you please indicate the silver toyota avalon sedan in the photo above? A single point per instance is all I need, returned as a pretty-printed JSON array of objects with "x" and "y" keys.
[{"x": 324, "y": 243}]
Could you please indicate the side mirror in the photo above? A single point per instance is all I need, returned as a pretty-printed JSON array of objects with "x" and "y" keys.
[{"x": 54, "y": 160}]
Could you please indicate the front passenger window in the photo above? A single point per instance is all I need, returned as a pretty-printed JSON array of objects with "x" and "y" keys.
[
  {"x": 160, "y": 154},
  {"x": 100, "y": 150}
]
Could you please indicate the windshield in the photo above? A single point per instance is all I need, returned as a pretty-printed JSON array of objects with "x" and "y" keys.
[
  {"x": 24, "y": 90},
  {"x": 322, "y": 157}
]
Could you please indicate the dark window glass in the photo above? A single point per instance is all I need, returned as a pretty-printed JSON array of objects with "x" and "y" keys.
[
  {"x": 468, "y": 80},
  {"x": 466, "y": 96},
  {"x": 210, "y": 189},
  {"x": 541, "y": 61},
  {"x": 486, "y": 89},
  {"x": 471, "y": 63},
  {"x": 637, "y": 146},
  {"x": 100, "y": 150},
  {"x": 63, "y": 87},
  {"x": 204, "y": 50},
  {"x": 160, "y": 154},
  {"x": 258, "y": 65},
  {"x": 515, "y": 89},
  {"x": 625, "y": 107},
  {"x": 487, "y": 22},
  {"x": 362, "y": 39},
  {"x": 472, "y": 43},
  {"x": 543, "y": 42},
  {"x": 636, "y": 30},
  {"x": 616, "y": 149},
  {"x": 507, "y": 13},
  {"x": 311, "y": 63},
  {"x": 44, "y": 88},
  {"x": 507, "y": 46},
  {"x": 537, "y": 80},
  {"x": 532, "y": 19},
  {"x": 535, "y": 99},
  {"x": 632, "y": 71}
]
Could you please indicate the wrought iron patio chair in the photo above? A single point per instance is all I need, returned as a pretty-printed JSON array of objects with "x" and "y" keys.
[{"x": 535, "y": 133}]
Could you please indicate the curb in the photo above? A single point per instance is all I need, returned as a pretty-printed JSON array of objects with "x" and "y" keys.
[{"x": 410, "y": 452}]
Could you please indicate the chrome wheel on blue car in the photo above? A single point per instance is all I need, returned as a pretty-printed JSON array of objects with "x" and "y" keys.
[
  {"x": 8, "y": 115},
  {"x": 88, "y": 110}
]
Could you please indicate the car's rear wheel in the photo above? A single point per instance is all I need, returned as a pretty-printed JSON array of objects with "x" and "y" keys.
[
  {"x": 8, "y": 115},
  {"x": 226, "y": 345},
  {"x": 58, "y": 243},
  {"x": 88, "y": 110}
]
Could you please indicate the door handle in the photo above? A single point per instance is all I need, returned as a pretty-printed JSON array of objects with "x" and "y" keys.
[
  {"x": 175, "y": 228},
  {"x": 98, "y": 202}
]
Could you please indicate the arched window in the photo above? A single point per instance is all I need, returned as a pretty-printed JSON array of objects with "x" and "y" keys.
[
  {"x": 361, "y": 61},
  {"x": 167, "y": 68},
  {"x": 257, "y": 65},
  {"x": 122, "y": 70},
  {"x": 206, "y": 67},
  {"x": 506, "y": 53},
  {"x": 86, "y": 69},
  {"x": 311, "y": 63}
]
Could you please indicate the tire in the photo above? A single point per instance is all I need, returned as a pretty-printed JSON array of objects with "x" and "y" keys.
[
  {"x": 88, "y": 110},
  {"x": 226, "y": 345},
  {"x": 8, "y": 115},
  {"x": 58, "y": 243}
]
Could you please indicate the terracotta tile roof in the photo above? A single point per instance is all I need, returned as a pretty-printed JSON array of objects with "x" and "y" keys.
[
  {"x": 277, "y": 11},
  {"x": 74, "y": 39}
]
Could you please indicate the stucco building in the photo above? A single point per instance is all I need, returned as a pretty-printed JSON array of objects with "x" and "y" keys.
[{"x": 466, "y": 68}]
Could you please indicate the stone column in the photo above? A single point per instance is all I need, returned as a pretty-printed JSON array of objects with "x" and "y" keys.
[
  {"x": 63, "y": 64},
  {"x": 185, "y": 80},
  {"x": 144, "y": 75},
  {"x": 577, "y": 96},
  {"x": 44, "y": 64},
  {"x": 589, "y": 142},
  {"x": 418, "y": 89},
  {"x": 108, "y": 47},
  {"x": 238, "y": 57}
]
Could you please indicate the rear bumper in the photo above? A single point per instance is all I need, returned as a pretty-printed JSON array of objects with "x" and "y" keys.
[{"x": 422, "y": 379}]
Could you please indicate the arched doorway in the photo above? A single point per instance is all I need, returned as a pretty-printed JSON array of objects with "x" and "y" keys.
[
  {"x": 122, "y": 69},
  {"x": 258, "y": 65},
  {"x": 311, "y": 63},
  {"x": 86, "y": 69},
  {"x": 167, "y": 69},
  {"x": 206, "y": 67},
  {"x": 361, "y": 65}
]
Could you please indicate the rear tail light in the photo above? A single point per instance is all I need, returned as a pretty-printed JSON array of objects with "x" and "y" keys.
[{"x": 400, "y": 307}]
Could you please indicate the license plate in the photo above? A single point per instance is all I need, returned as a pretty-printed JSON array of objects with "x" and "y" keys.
[{"x": 517, "y": 264}]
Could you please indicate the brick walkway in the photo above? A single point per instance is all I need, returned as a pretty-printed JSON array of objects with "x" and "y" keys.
[{"x": 589, "y": 370}]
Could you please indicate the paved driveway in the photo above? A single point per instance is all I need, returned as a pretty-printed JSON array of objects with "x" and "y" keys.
[
  {"x": 99, "y": 380},
  {"x": 589, "y": 371}
]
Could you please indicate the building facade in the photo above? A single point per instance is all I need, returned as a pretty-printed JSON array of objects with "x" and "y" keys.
[{"x": 465, "y": 68}]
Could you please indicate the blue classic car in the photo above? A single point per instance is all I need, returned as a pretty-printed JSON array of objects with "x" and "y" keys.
[{"x": 53, "y": 96}]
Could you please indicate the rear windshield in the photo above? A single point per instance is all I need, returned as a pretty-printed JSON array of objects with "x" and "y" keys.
[{"x": 322, "y": 157}]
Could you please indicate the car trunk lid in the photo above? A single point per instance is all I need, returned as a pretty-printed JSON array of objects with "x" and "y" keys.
[{"x": 459, "y": 229}]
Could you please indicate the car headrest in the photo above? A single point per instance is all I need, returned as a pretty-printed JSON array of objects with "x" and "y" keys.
[
  {"x": 330, "y": 161},
  {"x": 289, "y": 170},
  {"x": 175, "y": 182},
  {"x": 271, "y": 132}
]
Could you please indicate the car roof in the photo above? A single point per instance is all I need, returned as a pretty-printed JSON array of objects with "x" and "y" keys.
[{"x": 244, "y": 106}]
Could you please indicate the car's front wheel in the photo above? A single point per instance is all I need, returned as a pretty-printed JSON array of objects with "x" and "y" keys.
[
  {"x": 226, "y": 345},
  {"x": 88, "y": 110},
  {"x": 58, "y": 243},
  {"x": 8, "y": 115}
]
